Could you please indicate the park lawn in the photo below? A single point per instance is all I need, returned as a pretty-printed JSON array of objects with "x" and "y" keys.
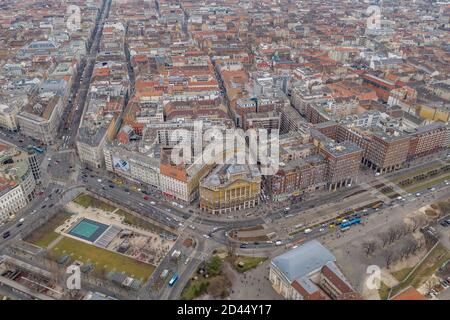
[
  {"x": 138, "y": 222},
  {"x": 45, "y": 235},
  {"x": 439, "y": 255},
  {"x": 87, "y": 201},
  {"x": 46, "y": 239},
  {"x": 249, "y": 263},
  {"x": 400, "y": 275},
  {"x": 103, "y": 260},
  {"x": 383, "y": 292},
  {"x": 424, "y": 271}
]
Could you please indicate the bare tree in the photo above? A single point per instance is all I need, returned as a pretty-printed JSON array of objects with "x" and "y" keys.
[
  {"x": 389, "y": 258},
  {"x": 369, "y": 247},
  {"x": 384, "y": 237},
  {"x": 392, "y": 235}
]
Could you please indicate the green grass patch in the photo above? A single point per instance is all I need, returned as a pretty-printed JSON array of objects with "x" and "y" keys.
[
  {"x": 424, "y": 271},
  {"x": 400, "y": 275},
  {"x": 103, "y": 260},
  {"x": 45, "y": 235},
  {"x": 87, "y": 201},
  {"x": 245, "y": 263},
  {"x": 383, "y": 292},
  {"x": 138, "y": 222},
  {"x": 194, "y": 289}
]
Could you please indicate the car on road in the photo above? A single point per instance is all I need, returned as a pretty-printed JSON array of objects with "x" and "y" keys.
[
  {"x": 19, "y": 224},
  {"x": 43, "y": 206},
  {"x": 444, "y": 224},
  {"x": 308, "y": 230},
  {"x": 6, "y": 234},
  {"x": 192, "y": 227},
  {"x": 99, "y": 180},
  {"x": 152, "y": 202},
  {"x": 206, "y": 236},
  {"x": 278, "y": 243},
  {"x": 243, "y": 246},
  {"x": 111, "y": 186},
  {"x": 146, "y": 198},
  {"x": 187, "y": 261},
  {"x": 33, "y": 212}
]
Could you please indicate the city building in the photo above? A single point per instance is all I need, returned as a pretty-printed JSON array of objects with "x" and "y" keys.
[
  {"x": 17, "y": 181},
  {"x": 309, "y": 272},
  {"x": 230, "y": 187}
]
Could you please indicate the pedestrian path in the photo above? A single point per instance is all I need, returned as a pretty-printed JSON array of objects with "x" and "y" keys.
[{"x": 375, "y": 192}]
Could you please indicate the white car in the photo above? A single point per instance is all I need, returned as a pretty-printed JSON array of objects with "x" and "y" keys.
[
  {"x": 152, "y": 202},
  {"x": 308, "y": 230},
  {"x": 99, "y": 180},
  {"x": 321, "y": 230},
  {"x": 205, "y": 236},
  {"x": 21, "y": 220},
  {"x": 278, "y": 243},
  {"x": 192, "y": 227}
]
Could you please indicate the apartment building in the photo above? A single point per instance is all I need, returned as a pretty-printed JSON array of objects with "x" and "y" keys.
[
  {"x": 8, "y": 117},
  {"x": 181, "y": 181},
  {"x": 343, "y": 160},
  {"x": 17, "y": 181},
  {"x": 133, "y": 165},
  {"x": 298, "y": 176},
  {"x": 41, "y": 117}
]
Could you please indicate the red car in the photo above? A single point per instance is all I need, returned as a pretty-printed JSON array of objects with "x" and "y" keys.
[{"x": 146, "y": 198}]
